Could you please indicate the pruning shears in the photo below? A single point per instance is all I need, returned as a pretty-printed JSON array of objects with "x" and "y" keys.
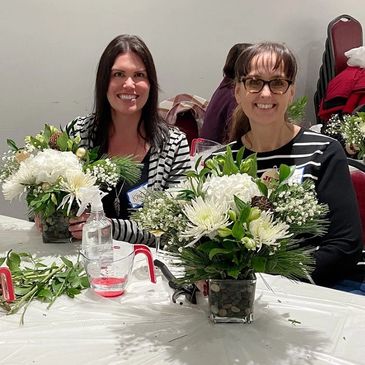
[{"x": 189, "y": 290}]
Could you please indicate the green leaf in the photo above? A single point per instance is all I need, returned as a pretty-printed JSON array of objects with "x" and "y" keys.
[
  {"x": 216, "y": 251},
  {"x": 47, "y": 132},
  {"x": 233, "y": 272},
  {"x": 208, "y": 246},
  {"x": 243, "y": 208},
  {"x": 262, "y": 187},
  {"x": 249, "y": 165},
  {"x": 45, "y": 293},
  {"x": 13, "y": 261},
  {"x": 84, "y": 281},
  {"x": 2, "y": 260},
  {"x": 67, "y": 262},
  {"x": 229, "y": 167},
  {"x": 237, "y": 230},
  {"x": 56, "y": 287},
  {"x": 20, "y": 291},
  {"x": 239, "y": 156},
  {"x": 71, "y": 292},
  {"x": 62, "y": 141},
  {"x": 284, "y": 172},
  {"x": 259, "y": 263},
  {"x": 12, "y": 145}
]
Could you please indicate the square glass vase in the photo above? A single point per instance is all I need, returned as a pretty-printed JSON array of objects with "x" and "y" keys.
[
  {"x": 231, "y": 301},
  {"x": 55, "y": 228}
]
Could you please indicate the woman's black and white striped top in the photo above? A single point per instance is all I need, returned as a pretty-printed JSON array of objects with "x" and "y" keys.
[
  {"x": 167, "y": 167},
  {"x": 322, "y": 159}
]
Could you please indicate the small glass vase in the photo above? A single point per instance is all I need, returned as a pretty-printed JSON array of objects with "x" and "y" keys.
[
  {"x": 55, "y": 228},
  {"x": 231, "y": 301}
]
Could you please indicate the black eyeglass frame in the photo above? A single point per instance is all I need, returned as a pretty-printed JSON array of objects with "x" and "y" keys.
[{"x": 243, "y": 79}]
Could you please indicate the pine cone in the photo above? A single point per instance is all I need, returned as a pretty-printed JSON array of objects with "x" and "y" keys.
[
  {"x": 53, "y": 140},
  {"x": 262, "y": 203}
]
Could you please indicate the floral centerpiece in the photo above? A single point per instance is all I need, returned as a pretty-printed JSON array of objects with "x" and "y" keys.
[
  {"x": 350, "y": 128},
  {"x": 51, "y": 168},
  {"x": 225, "y": 224}
]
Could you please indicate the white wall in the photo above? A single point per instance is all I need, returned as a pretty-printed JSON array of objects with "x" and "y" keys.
[{"x": 50, "y": 49}]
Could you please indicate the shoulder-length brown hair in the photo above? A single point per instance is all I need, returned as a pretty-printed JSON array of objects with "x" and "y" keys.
[{"x": 284, "y": 58}]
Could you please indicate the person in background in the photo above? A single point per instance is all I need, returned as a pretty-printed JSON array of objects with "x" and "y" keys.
[
  {"x": 265, "y": 81},
  {"x": 219, "y": 111},
  {"x": 126, "y": 122}
]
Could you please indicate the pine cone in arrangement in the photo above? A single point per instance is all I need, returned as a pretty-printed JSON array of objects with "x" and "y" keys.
[
  {"x": 53, "y": 140},
  {"x": 262, "y": 203}
]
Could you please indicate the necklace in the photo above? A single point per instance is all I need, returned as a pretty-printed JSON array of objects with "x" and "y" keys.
[{"x": 116, "y": 200}]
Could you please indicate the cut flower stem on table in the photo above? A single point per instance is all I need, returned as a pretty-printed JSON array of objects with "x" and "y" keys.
[{"x": 33, "y": 279}]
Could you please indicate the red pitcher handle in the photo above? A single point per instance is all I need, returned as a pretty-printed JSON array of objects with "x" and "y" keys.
[
  {"x": 151, "y": 267},
  {"x": 6, "y": 284}
]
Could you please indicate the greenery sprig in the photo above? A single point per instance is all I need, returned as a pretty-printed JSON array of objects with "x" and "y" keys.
[{"x": 33, "y": 279}]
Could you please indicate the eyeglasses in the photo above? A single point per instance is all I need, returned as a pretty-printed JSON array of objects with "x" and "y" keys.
[{"x": 276, "y": 86}]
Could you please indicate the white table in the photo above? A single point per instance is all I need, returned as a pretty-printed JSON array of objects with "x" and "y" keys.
[{"x": 145, "y": 327}]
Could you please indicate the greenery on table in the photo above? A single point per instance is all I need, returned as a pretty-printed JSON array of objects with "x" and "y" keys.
[{"x": 33, "y": 279}]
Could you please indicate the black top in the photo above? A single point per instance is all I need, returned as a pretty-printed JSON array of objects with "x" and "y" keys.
[
  {"x": 322, "y": 159},
  {"x": 122, "y": 191}
]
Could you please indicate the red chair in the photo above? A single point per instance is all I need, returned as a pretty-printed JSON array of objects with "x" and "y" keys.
[
  {"x": 358, "y": 181},
  {"x": 343, "y": 34}
]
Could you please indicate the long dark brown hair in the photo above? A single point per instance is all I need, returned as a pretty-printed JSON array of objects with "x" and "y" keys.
[
  {"x": 284, "y": 58},
  {"x": 155, "y": 128}
]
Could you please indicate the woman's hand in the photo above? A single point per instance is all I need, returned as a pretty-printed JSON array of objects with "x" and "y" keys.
[
  {"x": 38, "y": 223},
  {"x": 76, "y": 224},
  {"x": 203, "y": 287}
]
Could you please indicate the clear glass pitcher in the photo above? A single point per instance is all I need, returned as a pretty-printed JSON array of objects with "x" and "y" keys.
[
  {"x": 201, "y": 147},
  {"x": 6, "y": 285},
  {"x": 109, "y": 273}
]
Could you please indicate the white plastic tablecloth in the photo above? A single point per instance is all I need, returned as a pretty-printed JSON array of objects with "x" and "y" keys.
[{"x": 145, "y": 327}]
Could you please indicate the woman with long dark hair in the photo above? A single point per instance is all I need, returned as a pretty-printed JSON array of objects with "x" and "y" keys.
[{"x": 126, "y": 122}]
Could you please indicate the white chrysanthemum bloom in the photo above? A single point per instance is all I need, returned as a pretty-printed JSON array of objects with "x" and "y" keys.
[
  {"x": 223, "y": 188},
  {"x": 16, "y": 184},
  {"x": 72, "y": 183},
  {"x": 205, "y": 217},
  {"x": 266, "y": 231},
  {"x": 12, "y": 189}
]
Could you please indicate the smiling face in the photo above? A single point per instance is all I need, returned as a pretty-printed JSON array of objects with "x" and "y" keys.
[
  {"x": 129, "y": 86},
  {"x": 264, "y": 107}
]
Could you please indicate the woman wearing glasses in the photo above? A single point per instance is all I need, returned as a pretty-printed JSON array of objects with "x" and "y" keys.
[{"x": 265, "y": 77}]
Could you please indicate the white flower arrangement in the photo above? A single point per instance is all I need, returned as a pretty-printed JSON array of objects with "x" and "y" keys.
[
  {"x": 51, "y": 168},
  {"x": 350, "y": 128},
  {"x": 226, "y": 223}
]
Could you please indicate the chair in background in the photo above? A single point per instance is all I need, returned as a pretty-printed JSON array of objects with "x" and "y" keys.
[
  {"x": 343, "y": 34},
  {"x": 358, "y": 180},
  {"x": 185, "y": 112}
]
